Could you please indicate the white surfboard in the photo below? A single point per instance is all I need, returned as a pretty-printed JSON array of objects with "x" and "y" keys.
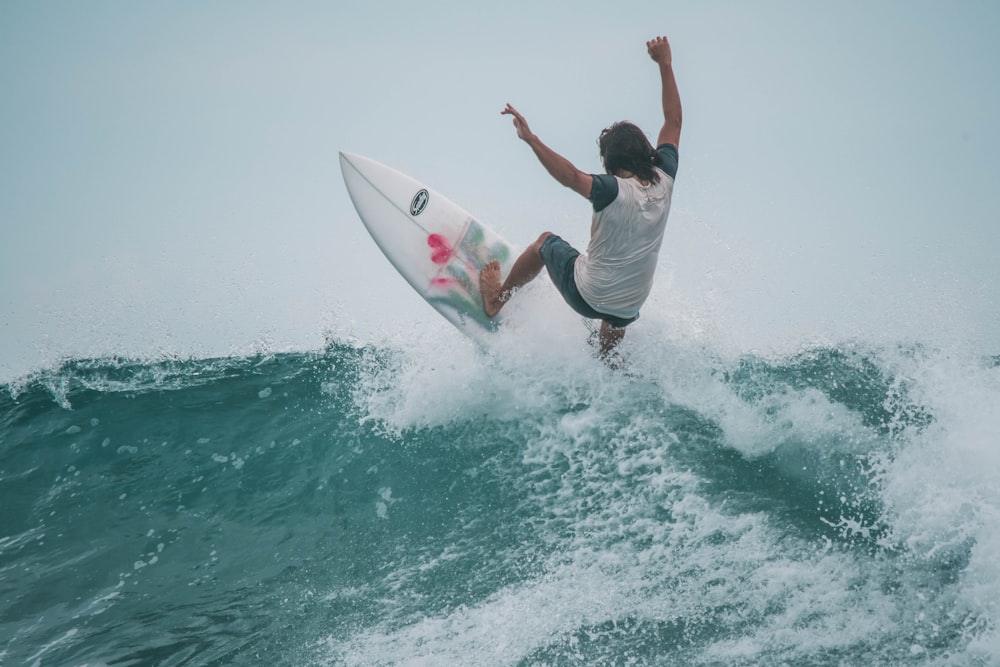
[{"x": 435, "y": 244}]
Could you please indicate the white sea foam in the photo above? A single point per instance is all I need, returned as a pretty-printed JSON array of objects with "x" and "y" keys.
[
  {"x": 941, "y": 487},
  {"x": 635, "y": 538}
]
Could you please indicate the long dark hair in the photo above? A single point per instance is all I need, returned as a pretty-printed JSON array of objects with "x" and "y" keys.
[{"x": 624, "y": 147}]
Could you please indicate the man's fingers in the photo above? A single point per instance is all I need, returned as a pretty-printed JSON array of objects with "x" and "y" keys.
[{"x": 513, "y": 112}]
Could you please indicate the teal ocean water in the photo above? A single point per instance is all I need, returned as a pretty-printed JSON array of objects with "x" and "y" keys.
[{"x": 385, "y": 504}]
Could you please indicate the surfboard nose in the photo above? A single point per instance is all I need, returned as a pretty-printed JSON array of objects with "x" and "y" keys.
[{"x": 359, "y": 163}]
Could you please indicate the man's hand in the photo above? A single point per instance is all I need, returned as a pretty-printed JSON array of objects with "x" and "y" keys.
[
  {"x": 523, "y": 131},
  {"x": 659, "y": 50}
]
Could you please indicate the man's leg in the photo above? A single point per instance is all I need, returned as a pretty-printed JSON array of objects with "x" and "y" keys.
[
  {"x": 610, "y": 337},
  {"x": 525, "y": 269}
]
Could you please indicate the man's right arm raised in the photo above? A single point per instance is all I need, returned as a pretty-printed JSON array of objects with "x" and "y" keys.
[{"x": 659, "y": 51}]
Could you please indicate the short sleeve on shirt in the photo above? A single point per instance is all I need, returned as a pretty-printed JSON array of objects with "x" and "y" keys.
[
  {"x": 603, "y": 190},
  {"x": 668, "y": 159}
]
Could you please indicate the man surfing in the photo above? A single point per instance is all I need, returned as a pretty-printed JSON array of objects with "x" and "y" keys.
[{"x": 631, "y": 202}]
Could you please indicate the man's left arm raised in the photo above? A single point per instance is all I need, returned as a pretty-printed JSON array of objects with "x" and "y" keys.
[{"x": 559, "y": 167}]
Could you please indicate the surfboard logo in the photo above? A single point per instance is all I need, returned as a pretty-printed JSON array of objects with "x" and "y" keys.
[{"x": 419, "y": 203}]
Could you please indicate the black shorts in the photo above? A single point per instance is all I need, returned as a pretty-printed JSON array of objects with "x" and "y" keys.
[{"x": 560, "y": 258}]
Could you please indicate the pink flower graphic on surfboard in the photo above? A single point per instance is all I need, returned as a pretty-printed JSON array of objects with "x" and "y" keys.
[
  {"x": 441, "y": 253},
  {"x": 441, "y": 250}
]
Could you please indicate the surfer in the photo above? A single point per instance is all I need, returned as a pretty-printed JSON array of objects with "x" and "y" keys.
[{"x": 631, "y": 202}]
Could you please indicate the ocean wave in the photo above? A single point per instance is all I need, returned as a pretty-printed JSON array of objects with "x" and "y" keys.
[{"x": 523, "y": 504}]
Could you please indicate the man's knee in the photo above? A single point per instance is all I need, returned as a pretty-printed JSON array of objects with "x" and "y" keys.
[{"x": 537, "y": 245}]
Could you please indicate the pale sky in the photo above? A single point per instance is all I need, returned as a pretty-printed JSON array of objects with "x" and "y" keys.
[{"x": 169, "y": 181}]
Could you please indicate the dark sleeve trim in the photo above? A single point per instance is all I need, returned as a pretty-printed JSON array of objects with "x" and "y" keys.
[
  {"x": 603, "y": 191},
  {"x": 668, "y": 159}
]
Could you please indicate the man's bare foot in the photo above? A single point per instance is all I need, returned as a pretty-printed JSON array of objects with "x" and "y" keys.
[{"x": 489, "y": 287}]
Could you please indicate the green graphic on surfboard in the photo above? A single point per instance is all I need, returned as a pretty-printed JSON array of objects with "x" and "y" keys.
[{"x": 456, "y": 285}]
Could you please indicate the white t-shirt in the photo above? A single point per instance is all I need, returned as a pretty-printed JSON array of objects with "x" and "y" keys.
[{"x": 616, "y": 274}]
